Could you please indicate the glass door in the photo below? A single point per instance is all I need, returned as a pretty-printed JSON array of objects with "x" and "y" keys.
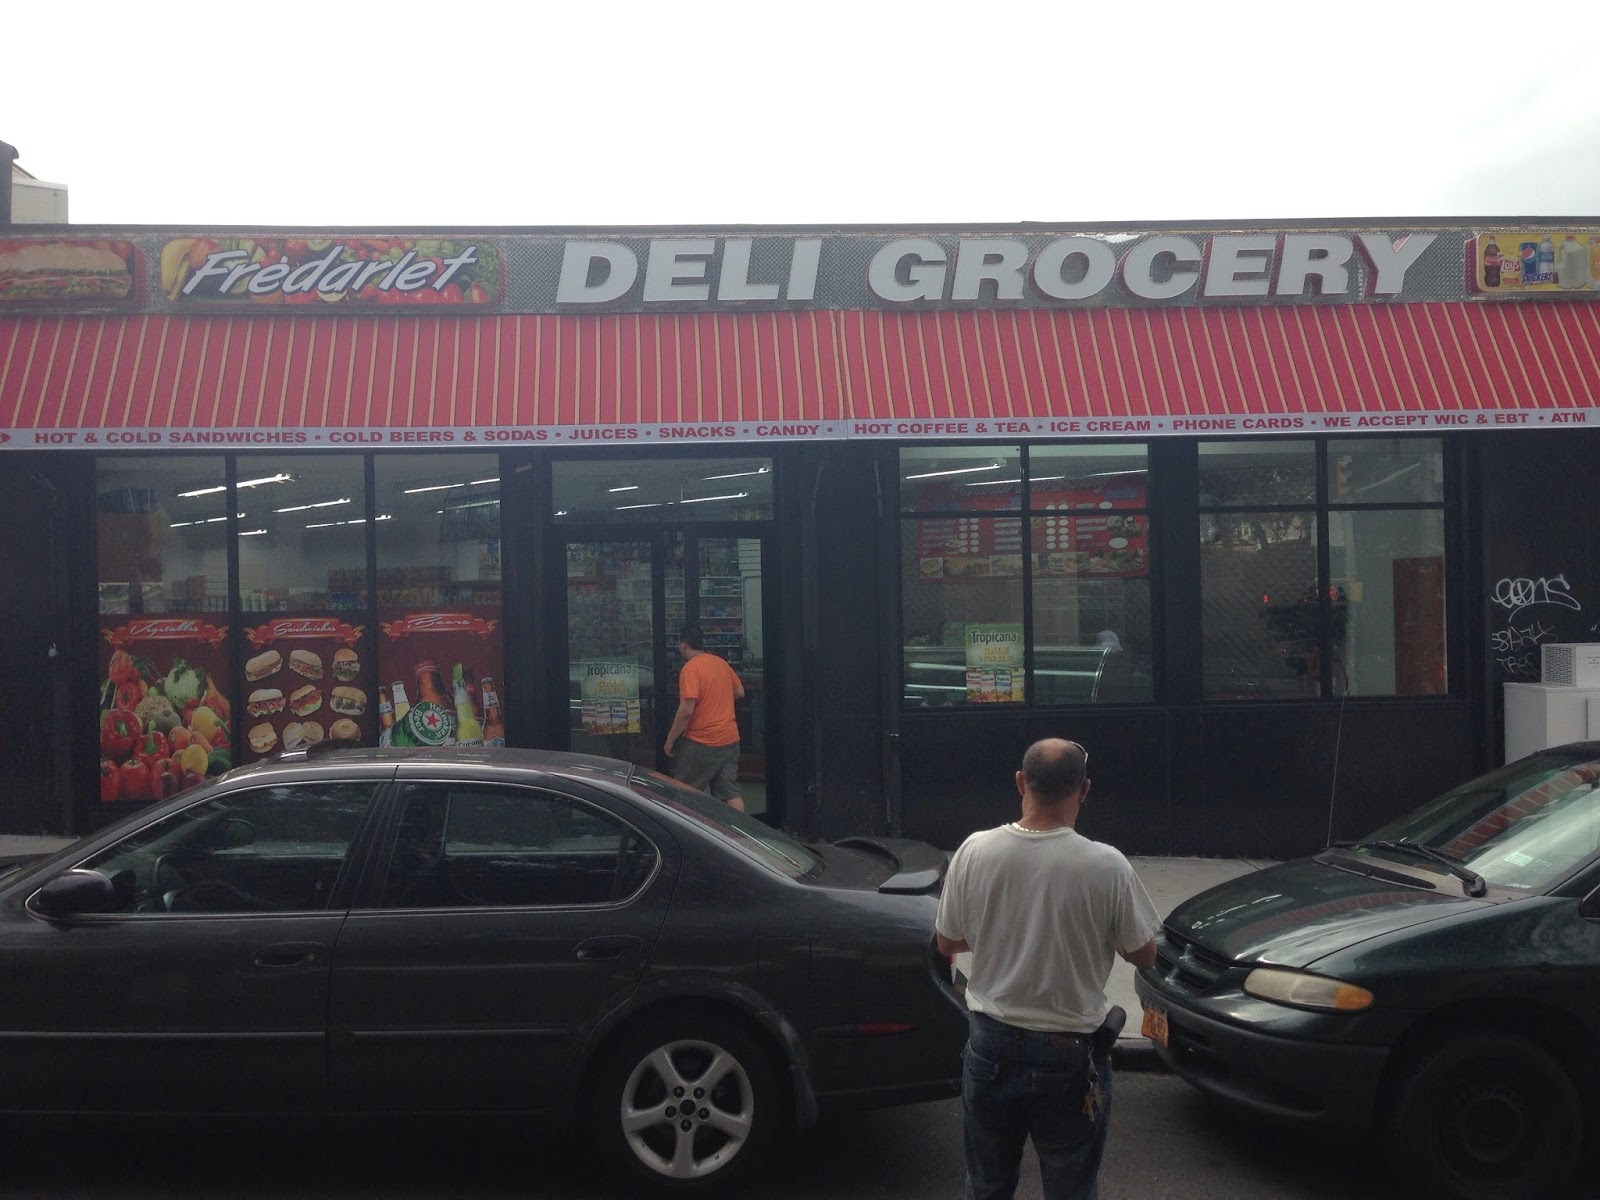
[
  {"x": 627, "y": 601},
  {"x": 614, "y": 649},
  {"x": 723, "y": 595}
]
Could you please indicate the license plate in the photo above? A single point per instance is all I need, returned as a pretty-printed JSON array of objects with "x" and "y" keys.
[{"x": 1154, "y": 1026}]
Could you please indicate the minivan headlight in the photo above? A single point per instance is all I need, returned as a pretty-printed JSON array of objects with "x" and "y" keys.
[{"x": 1306, "y": 991}]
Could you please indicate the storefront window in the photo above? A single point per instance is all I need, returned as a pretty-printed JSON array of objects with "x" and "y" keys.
[
  {"x": 302, "y": 533},
  {"x": 1082, "y": 557},
  {"x": 639, "y": 490},
  {"x": 1370, "y": 620},
  {"x": 1257, "y": 474},
  {"x": 164, "y": 692},
  {"x": 968, "y": 478},
  {"x": 439, "y": 600},
  {"x": 304, "y": 593},
  {"x": 1259, "y": 609},
  {"x": 963, "y": 611},
  {"x": 1388, "y": 580}
]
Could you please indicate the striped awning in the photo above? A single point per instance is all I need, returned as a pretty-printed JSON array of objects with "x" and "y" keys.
[{"x": 837, "y": 368}]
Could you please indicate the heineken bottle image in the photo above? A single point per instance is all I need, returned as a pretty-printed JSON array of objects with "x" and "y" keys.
[
  {"x": 468, "y": 731},
  {"x": 399, "y": 731},
  {"x": 433, "y": 713}
]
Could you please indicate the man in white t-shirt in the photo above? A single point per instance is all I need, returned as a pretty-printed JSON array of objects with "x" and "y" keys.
[{"x": 1044, "y": 911}]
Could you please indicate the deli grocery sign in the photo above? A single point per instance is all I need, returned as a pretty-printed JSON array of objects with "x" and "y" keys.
[{"x": 1012, "y": 267}]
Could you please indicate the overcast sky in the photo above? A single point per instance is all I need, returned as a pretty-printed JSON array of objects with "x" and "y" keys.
[{"x": 344, "y": 112}]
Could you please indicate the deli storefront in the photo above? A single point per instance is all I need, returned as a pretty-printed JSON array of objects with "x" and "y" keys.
[{"x": 1263, "y": 515}]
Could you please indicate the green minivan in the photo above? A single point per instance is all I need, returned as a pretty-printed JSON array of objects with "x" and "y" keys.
[{"x": 1436, "y": 984}]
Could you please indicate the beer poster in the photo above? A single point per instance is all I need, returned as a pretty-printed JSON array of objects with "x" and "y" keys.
[{"x": 440, "y": 672}]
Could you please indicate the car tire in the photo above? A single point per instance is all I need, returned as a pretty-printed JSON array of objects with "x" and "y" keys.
[
  {"x": 1486, "y": 1116},
  {"x": 645, "y": 1132}
]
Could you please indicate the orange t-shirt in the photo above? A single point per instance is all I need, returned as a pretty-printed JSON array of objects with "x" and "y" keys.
[{"x": 709, "y": 681}]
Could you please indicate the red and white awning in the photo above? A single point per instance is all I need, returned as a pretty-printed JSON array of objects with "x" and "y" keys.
[{"x": 844, "y": 372}]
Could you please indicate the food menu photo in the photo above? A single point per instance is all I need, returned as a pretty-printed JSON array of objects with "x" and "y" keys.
[
  {"x": 166, "y": 723},
  {"x": 307, "y": 682}
]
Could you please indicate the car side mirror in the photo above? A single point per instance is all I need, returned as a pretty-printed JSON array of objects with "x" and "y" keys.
[
  {"x": 74, "y": 893},
  {"x": 236, "y": 832}
]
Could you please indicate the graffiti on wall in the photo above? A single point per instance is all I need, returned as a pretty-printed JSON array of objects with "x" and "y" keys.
[{"x": 1531, "y": 610}]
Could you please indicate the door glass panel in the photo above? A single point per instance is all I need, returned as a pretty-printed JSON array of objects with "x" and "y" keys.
[
  {"x": 611, "y": 638},
  {"x": 729, "y": 606}
]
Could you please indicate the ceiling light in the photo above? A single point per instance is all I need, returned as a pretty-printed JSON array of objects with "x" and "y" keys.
[
  {"x": 319, "y": 504},
  {"x": 624, "y": 487},
  {"x": 282, "y": 477},
  {"x": 708, "y": 499},
  {"x": 438, "y": 487},
  {"x": 626, "y": 507},
  {"x": 737, "y": 474},
  {"x": 994, "y": 466},
  {"x": 351, "y": 521},
  {"x": 250, "y": 532}
]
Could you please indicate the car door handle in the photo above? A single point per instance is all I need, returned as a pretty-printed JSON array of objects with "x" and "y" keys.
[
  {"x": 606, "y": 947},
  {"x": 288, "y": 954}
]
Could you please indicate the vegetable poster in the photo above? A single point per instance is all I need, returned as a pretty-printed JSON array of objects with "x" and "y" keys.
[{"x": 165, "y": 718}]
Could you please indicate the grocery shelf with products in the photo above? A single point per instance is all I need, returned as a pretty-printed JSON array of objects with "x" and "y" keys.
[{"x": 722, "y": 615}]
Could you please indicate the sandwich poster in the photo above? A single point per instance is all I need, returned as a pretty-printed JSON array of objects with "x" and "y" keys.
[
  {"x": 307, "y": 680},
  {"x": 165, "y": 720},
  {"x": 995, "y": 670},
  {"x": 71, "y": 272}
]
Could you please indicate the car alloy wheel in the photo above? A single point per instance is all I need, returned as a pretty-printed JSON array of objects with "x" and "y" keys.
[
  {"x": 1488, "y": 1116},
  {"x": 686, "y": 1104}
]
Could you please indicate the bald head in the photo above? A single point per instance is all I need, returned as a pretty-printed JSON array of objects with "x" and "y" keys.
[{"x": 1054, "y": 769}]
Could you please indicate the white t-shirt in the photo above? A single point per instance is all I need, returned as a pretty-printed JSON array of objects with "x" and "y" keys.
[{"x": 1045, "y": 913}]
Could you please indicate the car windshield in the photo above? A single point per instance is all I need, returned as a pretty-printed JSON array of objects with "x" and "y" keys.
[
  {"x": 760, "y": 841},
  {"x": 1523, "y": 826}
]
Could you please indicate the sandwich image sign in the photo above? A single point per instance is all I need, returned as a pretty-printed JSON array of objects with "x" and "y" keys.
[{"x": 66, "y": 272}]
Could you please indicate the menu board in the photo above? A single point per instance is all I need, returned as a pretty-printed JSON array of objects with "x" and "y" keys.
[
  {"x": 1099, "y": 544},
  {"x": 445, "y": 662},
  {"x": 609, "y": 693},
  {"x": 1081, "y": 529},
  {"x": 1103, "y": 544},
  {"x": 308, "y": 678},
  {"x": 165, "y": 719}
]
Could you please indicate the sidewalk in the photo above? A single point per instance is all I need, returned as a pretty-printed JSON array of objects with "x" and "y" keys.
[{"x": 1169, "y": 881}]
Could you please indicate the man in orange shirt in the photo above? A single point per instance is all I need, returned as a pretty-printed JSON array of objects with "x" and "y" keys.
[{"x": 704, "y": 739}]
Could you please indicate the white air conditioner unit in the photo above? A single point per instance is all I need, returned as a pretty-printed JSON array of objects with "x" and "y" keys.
[{"x": 1570, "y": 664}]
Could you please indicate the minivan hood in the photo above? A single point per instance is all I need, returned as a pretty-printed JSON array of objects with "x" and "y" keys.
[{"x": 1297, "y": 912}]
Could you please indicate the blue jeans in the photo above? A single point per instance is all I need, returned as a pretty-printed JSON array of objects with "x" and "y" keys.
[{"x": 1018, "y": 1084}]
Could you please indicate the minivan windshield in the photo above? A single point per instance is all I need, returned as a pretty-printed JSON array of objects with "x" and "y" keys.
[
  {"x": 760, "y": 841},
  {"x": 1523, "y": 826}
]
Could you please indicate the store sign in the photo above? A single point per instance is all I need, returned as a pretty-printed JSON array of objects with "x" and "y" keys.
[
  {"x": 275, "y": 271},
  {"x": 1520, "y": 262},
  {"x": 346, "y": 271}
]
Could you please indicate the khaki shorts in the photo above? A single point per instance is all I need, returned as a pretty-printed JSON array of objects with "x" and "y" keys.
[{"x": 713, "y": 769}]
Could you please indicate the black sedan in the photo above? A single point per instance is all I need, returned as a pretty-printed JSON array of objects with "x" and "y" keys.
[
  {"x": 1437, "y": 982},
  {"x": 502, "y": 930}
]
